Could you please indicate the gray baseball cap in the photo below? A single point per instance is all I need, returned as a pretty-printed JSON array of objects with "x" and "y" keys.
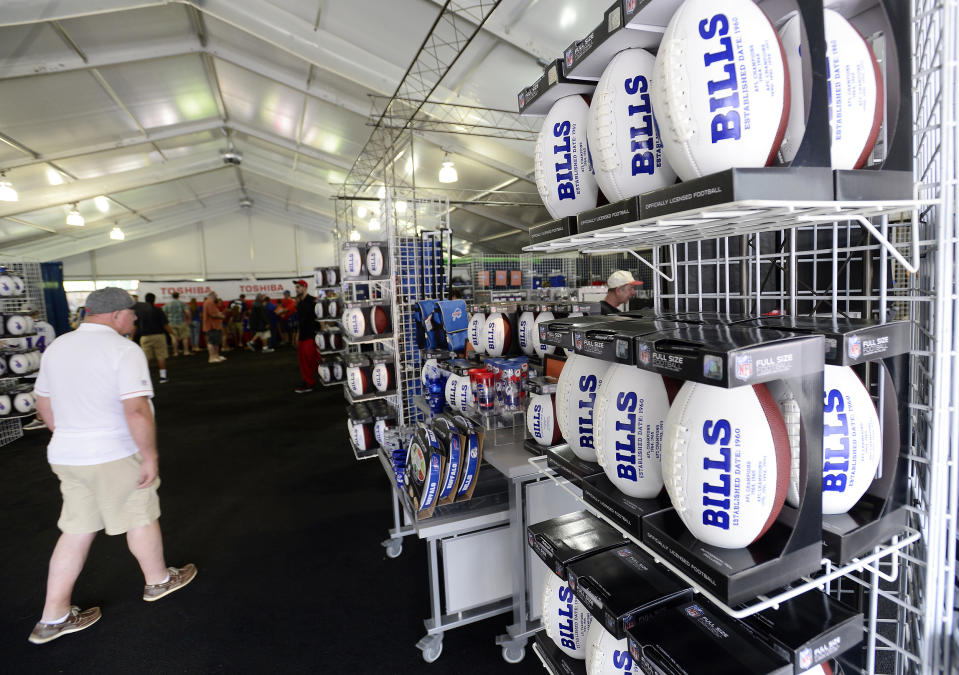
[{"x": 108, "y": 300}]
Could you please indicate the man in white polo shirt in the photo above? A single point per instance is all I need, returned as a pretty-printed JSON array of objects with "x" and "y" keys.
[{"x": 94, "y": 392}]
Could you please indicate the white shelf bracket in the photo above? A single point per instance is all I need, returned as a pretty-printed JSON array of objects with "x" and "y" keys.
[
  {"x": 607, "y": 251},
  {"x": 912, "y": 268}
]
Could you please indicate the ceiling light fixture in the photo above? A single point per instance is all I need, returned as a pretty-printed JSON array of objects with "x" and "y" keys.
[
  {"x": 102, "y": 204},
  {"x": 374, "y": 224},
  {"x": 117, "y": 234},
  {"x": 54, "y": 177},
  {"x": 74, "y": 218},
  {"x": 354, "y": 235},
  {"x": 7, "y": 193},
  {"x": 401, "y": 207},
  {"x": 448, "y": 171},
  {"x": 361, "y": 211}
]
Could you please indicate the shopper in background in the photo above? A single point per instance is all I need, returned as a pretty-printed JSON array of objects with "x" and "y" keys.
[
  {"x": 139, "y": 308},
  {"x": 260, "y": 325},
  {"x": 213, "y": 327},
  {"x": 285, "y": 310},
  {"x": 196, "y": 324},
  {"x": 94, "y": 392},
  {"x": 236, "y": 311},
  {"x": 178, "y": 316},
  {"x": 151, "y": 331},
  {"x": 622, "y": 289},
  {"x": 274, "y": 322},
  {"x": 306, "y": 351}
]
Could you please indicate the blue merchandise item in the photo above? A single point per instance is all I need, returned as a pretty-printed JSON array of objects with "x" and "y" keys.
[
  {"x": 451, "y": 321},
  {"x": 423, "y": 316}
]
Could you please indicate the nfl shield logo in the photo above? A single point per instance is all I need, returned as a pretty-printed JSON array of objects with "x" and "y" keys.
[
  {"x": 855, "y": 347},
  {"x": 569, "y": 58},
  {"x": 522, "y": 99},
  {"x": 630, "y": 6},
  {"x": 744, "y": 367},
  {"x": 579, "y": 342},
  {"x": 644, "y": 355},
  {"x": 805, "y": 659},
  {"x": 694, "y": 611}
]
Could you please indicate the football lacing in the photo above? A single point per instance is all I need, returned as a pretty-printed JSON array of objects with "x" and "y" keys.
[{"x": 675, "y": 83}]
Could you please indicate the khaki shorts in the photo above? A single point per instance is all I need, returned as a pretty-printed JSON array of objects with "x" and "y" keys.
[
  {"x": 154, "y": 346},
  {"x": 181, "y": 330},
  {"x": 105, "y": 496}
]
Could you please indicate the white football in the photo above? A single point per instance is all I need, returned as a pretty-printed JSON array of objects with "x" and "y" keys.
[
  {"x": 6, "y": 285},
  {"x": 319, "y": 309},
  {"x": 855, "y": 92},
  {"x": 17, "y": 324},
  {"x": 605, "y": 655},
  {"x": 630, "y": 416},
  {"x": 852, "y": 439},
  {"x": 374, "y": 261},
  {"x": 334, "y": 341},
  {"x": 361, "y": 434},
  {"x": 383, "y": 377},
  {"x": 576, "y": 391},
  {"x": 24, "y": 402},
  {"x": 463, "y": 394},
  {"x": 337, "y": 371},
  {"x": 331, "y": 276},
  {"x": 333, "y": 309},
  {"x": 357, "y": 380},
  {"x": 541, "y": 419},
  {"x": 526, "y": 337},
  {"x": 623, "y": 136},
  {"x": 379, "y": 431},
  {"x": 497, "y": 334},
  {"x": 449, "y": 391},
  {"x": 720, "y": 88},
  {"x": 323, "y": 370},
  {"x": 431, "y": 370},
  {"x": 352, "y": 262},
  {"x": 476, "y": 331},
  {"x": 18, "y": 285},
  {"x": 541, "y": 348},
  {"x": 6, "y": 405},
  {"x": 565, "y": 620},
  {"x": 563, "y": 168},
  {"x": 354, "y": 322},
  {"x": 726, "y": 462},
  {"x": 320, "y": 341}
]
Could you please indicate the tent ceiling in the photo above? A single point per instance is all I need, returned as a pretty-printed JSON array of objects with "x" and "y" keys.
[{"x": 136, "y": 99}]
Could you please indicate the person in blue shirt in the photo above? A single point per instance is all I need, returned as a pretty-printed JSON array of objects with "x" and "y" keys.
[{"x": 274, "y": 322}]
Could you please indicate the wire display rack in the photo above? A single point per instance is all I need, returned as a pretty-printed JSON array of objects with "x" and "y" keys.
[
  {"x": 539, "y": 277},
  {"x": 30, "y": 301}
]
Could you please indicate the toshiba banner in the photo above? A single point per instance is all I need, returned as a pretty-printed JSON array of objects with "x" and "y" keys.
[{"x": 229, "y": 289}]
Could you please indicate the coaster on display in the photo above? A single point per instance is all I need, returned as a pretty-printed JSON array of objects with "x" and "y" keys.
[
  {"x": 561, "y": 541},
  {"x": 620, "y": 585},
  {"x": 424, "y": 471},
  {"x": 472, "y": 456},
  {"x": 454, "y": 443}
]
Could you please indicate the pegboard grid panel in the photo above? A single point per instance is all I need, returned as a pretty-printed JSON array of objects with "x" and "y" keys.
[{"x": 531, "y": 265}]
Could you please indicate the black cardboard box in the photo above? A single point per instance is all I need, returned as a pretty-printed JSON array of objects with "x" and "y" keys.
[
  {"x": 559, "y": 332},
  {"x": 620, "y": 585},
  {"x": 808, "y": 629},
  {"x": 556, "y": 660},
  {"x": 627, "y": 512},
  {"x": 616, "y": 342},
  {"x": 587, "y": 58},
  {"x": 693, "y": 638},
  {"x": 551, "y": 86},
  {"x": 566, "y": 539},
  {"x": 554, "y": 229},
  {"x": 564, "y": 461}
]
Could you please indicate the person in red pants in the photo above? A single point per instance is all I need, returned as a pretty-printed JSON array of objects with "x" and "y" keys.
[{"x": 306, "y": 351}]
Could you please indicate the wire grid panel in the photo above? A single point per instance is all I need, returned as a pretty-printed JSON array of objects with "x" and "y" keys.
[
  {"x": 541, "y": 276},
  {"x": 32, "y": 299}
]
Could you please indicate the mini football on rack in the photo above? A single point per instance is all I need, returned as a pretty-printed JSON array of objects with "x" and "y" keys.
[
  {"x": 855, "y": 92},
  {"x": 475, "y": 332},
  {"x": 362, "y": 434},
  {"x": 726, "y": 462},
  {"x": 720, "y": 88},
  {"x": 563, "y": 168},
  {"x": 380, "y": 427},
  {"x": 358, "y": 380},
  {"x": 565, "y": 620},
  {"x": 375, "y": 262},
  {"x": 541, "y": 420},
  {"x": 332, "y": 276},
  {"x": 541, "y": 349},
  {"x": 380, "y": 319},
  {"x": 354, "y": 322},
  {"x": 630, "y": 415},
  {"x": 352, "y": 262},
  {"x": 383, "y": 377},
  {"x": 605, "y": 655},
  {"x": 498, "y": 334},
  {"x": 333, "y": 308},
  {"x": 325, "y": 373},
  {"x": 576, "y": 391},
  {"x": 320, "y": 340},
  {"x": 851, "y": 442},
  {"x": 334, "y": 341},
  {"x": 623, "y": 137},
  {"x": 526, "y": 337},
  {"x": 320, "y": 309}
]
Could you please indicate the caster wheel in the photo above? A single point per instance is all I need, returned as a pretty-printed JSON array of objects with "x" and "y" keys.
[
  {"x": 431, "y": 653},
  {"x": 514, "y": 654},
  {"x": 394, "y": 547}
]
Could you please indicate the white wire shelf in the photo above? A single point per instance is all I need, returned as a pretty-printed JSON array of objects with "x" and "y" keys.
[
  {"x": 331, "y": 353},
  {"x": 368, "y": 339},
  {"x": 366, "y": 397},
  {"x": 363, "y": 454},
  {"x": 725, "y": 220},
  {"x": 868, "y": 563}
]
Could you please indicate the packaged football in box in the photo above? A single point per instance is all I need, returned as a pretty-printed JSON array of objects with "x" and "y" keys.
[
  {"x": 809, "y": 629},
  {"x": 618, "y": 586},
  {"x": 378, "y": 259},
  {"x": 563, "y": 540},
  {"x": 557, "y": 662},
  {"x": 588, "y": 58},
  {"x": 628, "y": 512},
  {"x": 552, "y": 85},
  {"x": 693, "y": 637}
]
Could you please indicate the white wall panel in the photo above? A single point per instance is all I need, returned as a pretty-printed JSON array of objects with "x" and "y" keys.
[{"x": 316, "y": 250}]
